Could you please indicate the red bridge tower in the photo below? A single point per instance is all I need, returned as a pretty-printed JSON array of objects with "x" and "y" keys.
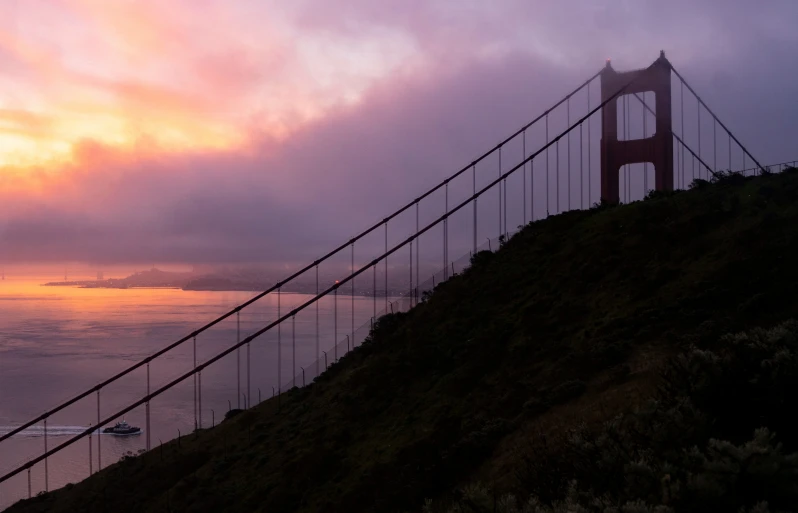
[{"x": 657, "y": 149}]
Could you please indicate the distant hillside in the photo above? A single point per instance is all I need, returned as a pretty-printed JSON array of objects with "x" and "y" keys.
[
  {"x": 587, "y": 364},
  {"x": 152, "y": 278}
]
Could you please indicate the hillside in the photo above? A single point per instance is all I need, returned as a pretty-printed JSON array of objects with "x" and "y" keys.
[{"x": 576, "y": 320}]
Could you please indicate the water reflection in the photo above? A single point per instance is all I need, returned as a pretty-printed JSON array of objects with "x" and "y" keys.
[{"x": 57, "y": 341}]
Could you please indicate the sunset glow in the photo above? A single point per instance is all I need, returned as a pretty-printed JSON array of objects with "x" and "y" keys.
[
  {"x": 180, "y": 131},
  {"x": 129, "y": 73}
]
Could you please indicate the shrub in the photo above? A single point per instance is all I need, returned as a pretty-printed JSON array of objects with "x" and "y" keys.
[
  {"x": 655, "y": 194},
  {"x": 602, "y": 204},
  {"x": 232, "y": 413},
  {"x": 719, "y": 435},
  {"x": 729, "y": 177},
  {"x": 699, "y": 183}
]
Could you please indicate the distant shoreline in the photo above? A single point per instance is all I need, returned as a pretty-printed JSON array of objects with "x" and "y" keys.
[
  {"x": 157, "y": 279},
  {"x": 92, "y": 285},
  {"x": 95, "y": 285}
]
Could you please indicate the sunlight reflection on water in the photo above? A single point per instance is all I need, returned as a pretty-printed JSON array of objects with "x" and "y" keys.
[{"x": 56, "y": 342}]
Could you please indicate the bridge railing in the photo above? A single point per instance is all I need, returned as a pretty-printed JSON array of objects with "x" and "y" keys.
[{"x": 771, "y": 168}]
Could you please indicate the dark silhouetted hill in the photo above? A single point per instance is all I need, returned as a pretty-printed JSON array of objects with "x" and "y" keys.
[{"x": 617, "y": 359}]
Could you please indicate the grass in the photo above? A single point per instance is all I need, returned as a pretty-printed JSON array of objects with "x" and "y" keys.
[{"x": 571, "y": 324}]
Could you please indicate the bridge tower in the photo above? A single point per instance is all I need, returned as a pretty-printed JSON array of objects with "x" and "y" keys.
[{"x": 657, "y": 149}]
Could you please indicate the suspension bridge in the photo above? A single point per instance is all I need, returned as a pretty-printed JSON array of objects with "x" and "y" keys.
[{"x": 613, "y": 139}]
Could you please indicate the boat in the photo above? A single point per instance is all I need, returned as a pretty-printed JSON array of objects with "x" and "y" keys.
[{"x": 122, "y": 429}]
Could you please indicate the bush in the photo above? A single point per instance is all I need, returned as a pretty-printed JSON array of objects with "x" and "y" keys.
[
  {"x": 699, "y": 183},
  {"x": 655, "y": 194},
  {"x": 729, "y": 177},
  {"x": 602, "y": 204},
  {"x": 719, "y": 435},
  {"x": 232, "y": 413},
  {"x": 480, "y": 260}
]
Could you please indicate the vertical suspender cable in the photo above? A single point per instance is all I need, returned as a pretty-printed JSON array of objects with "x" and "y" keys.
[
  {"x": 279, "y": 350},
  {"x": 500, "y": 191},
  {"x": 293, "y": 351},
  {"x": 568, "y": 124},
  {"x": 645, "y": 136},
  {"x": 503, "y": 185},
  {"x": 557, "y": 164},
  {"x": 547, "y": 165},
  {"x": 624, "y": 104},
  {"x": 474, "y": 178},
  {"x": 147, "y": 425},
  {"x": 410, "y": 290},
  {"x": 352, "y": 280},
  {"x": 335, "y": 323},
  {"x": 149, "y": 432},
  {"x": 715, "y": 145},
  {"x": 238, "y": 358},
  {"x": 317, "y": 322},
  {"x": 678, "y": 157},
  {"x": 681, "y": 117},
  {"x": 195, "y": 383},
  {"x": 698, "y": 108},
  {"x": 523, "y": 174},
  {"x": 581, "y": 170},
  {"x": 386, "y": 266},
  {"x": 692, "y": 167},
  {"x": 248, "y": 369},
  {"x": 532, "y": 190},
  {"x": 443, "y": 225},
  {"x": 589, "y": 164},
  {"x": 418, "y": 243},
  {"x": 446, "y": 235},
  {"x": 627, "y": 126},
  {"x": 199, "y": 397},
  {"x": 46, "y": 468}
]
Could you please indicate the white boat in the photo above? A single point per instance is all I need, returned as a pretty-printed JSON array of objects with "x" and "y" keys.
[{"x": 122, "y": 429}]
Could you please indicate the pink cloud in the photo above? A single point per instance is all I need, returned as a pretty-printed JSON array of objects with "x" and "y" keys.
[{"x": 286, "y": 143}]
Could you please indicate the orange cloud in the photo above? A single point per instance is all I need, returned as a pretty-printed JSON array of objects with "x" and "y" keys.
[
  {"x": 23, "y": 122},
  {"x": 181, "y": 75}
]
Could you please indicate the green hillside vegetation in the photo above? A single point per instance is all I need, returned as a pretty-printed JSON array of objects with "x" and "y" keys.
[{"x": 633, "y": 358}]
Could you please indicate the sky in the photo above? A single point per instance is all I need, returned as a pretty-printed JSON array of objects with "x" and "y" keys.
[{"x": 209, "y": 131}]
